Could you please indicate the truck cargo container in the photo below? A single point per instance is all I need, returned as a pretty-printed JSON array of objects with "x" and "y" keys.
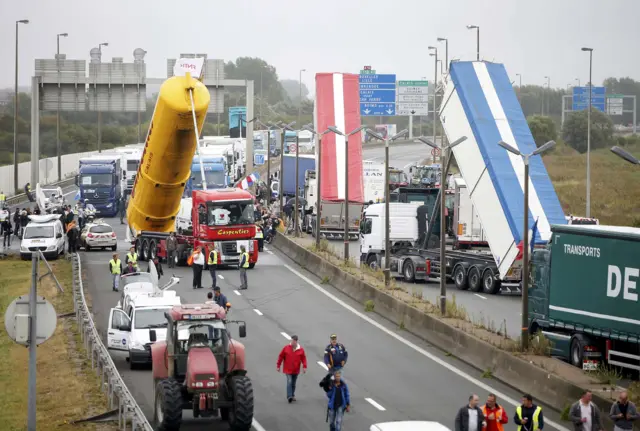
[{"x": 583, "y": 295}]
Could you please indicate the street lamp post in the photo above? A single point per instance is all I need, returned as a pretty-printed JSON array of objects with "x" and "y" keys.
[
  {"x": 58, "y": 149},
  {"x": 335, "y": 130},
  {"x": 268, "y": 128},
  {"x": 446, "y": 51},
  {"x": 471, "y": 27},
  {"x": 578, "y": 81},
  {"x": 624, "y": 154},
  {"x": 100, "y": 45},
  {"x": 446, "y": 154},
  {"x": 15, "y": 117},
  {"x": 588, "y": 212},
  {"x": 387, "y": 242},
  {"x": 300, "y": 97},
  {"x": 525, "y": 249},
  {"x": 282, "y": 126},
  {"x": 519, "y": 87},
  {"x": 320, "y": 135},
  {"x": 435, "y": 93}
]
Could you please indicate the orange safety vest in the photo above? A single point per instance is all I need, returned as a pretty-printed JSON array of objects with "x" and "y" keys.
[{"x": 498, "y": 414}]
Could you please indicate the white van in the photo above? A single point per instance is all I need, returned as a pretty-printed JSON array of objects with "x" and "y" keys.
[
  {"x": 130, "y": 326},
  {"x": 44, "y": 233}
]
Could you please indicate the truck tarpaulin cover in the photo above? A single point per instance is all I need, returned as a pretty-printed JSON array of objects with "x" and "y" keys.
[{"x": 338, "y": 104}]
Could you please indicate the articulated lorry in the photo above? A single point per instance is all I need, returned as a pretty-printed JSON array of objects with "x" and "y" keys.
[
  {"x": 583, "y": 295},
  {"x": 223, "y": 218},
  {"x": 288, "y": 177},
  {"x": 480, "y": 104},
  {"x": 101, "y": 182},
  {"x": 215, "y": 174}
]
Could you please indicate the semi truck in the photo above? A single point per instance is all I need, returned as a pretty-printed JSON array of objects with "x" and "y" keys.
[
  {"x": 221, "y": 217},
  {"x": 583, "y": 295},
  {"x": 131, "y": 161},
  {"x": 100, "y": 182},
  {"x": 288, "y": 176},
  {"x": 468, "y": 230},
  {"x": 215, "y": 174}
]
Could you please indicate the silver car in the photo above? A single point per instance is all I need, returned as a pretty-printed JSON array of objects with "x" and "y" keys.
[{"x": 98, "y": 235}]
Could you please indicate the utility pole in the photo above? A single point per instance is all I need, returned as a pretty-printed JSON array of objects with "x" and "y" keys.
[
  {"x": 300, "y": 97},
  {"x": 15, "y": 115},
  {"x": 588, "y": 211},
  {"x": 477, "y": 28},
  {"x": 100, "y": 45},
  {"x": 58, "y": 146}
]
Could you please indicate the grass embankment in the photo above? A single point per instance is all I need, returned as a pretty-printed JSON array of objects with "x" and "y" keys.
[
  {"x": 68, "y": 389},
  {"x": 615, "y": 184}
]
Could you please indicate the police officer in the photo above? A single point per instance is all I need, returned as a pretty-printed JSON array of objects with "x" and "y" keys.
[
  {"x": 212, "y": 262},
  {"x": 244, "y": 265},
  {"x": 115, "y": 268},
  {"x": 335, "y": 355},
  {"x": 132, "y": 257}
]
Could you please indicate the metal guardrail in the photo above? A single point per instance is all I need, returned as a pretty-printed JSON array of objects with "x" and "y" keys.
[
  {"x": 22, "y": 197},
  {"x": 129, "y": 413}
]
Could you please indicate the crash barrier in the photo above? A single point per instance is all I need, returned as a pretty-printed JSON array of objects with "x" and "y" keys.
[
  {"x": 130, "y": 416},
  {"x": 22, "y": 197},
  {"x": 514, "y": 371}
]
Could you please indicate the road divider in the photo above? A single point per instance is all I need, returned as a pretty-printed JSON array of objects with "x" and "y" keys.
[
  {"x": 22, "y": 197},
  {"x": 129, "y": 413},
  {"x": 508, "y": 367}
]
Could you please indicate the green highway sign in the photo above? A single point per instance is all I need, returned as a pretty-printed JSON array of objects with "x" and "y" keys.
[
  {"x": 367, "y": 72},
  {"x": 413, "y": 83}
]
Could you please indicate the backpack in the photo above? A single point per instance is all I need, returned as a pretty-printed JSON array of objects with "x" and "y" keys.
[{"x": 326, "y": 381}]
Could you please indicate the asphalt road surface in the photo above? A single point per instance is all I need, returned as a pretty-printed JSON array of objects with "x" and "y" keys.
[{"x": 391, "y": 374}]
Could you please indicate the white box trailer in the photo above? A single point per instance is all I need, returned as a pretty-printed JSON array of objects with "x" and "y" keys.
[
  {"x": 467, "y": 227},
  {"x": 373, "y": 175}
]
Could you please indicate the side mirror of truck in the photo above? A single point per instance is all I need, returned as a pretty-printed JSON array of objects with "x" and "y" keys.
[
  {"x": 243, "y": 330},
  {"x": 152, "y": 335}
]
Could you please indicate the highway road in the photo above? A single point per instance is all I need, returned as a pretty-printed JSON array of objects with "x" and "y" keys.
[{"x": 391, "y": 374}]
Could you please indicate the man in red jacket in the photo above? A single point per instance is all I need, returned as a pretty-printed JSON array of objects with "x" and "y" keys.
[
  {"x": 292, "y": 355},
  {"x": 495, "y": 415}
]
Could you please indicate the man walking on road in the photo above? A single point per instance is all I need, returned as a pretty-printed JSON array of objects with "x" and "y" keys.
[
  {"x": 585, "y": 415},
  {"x": 212, "y": 262},
  {"x": 529, "y": 416},
  {"x": 122, "y": 208},
  {"x": 6, "y": 232},
  {"x": 197, "y": 263},
  {"x": 470, "y": 417},
  {"x": 244, "y": 265},
  {"x": 291, "y": 358},
  {"x": 335, "y": 355},
  {"x": 172, "y": 245},
  {"x": 495, "y": 416},
  {"x": 339, "y": 401},
  {"x": 623, "y": 413},
  {"x": 115, "y": 268}
]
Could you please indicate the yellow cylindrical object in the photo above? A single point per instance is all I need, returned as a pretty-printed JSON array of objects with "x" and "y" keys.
[{"x": 168, "y": 153}]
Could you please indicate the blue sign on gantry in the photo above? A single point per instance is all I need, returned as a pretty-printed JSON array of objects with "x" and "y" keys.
[
  {"x": 377, "y": 95},
  {"x": 581, "y": 98}
]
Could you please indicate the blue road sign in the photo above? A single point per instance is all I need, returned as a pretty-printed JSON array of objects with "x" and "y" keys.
[
  {"x": 377, "y": 95},
  {"x": 581, "y": 98},
  {"x": 258, "y": 159},
  {"x": 377, "y": 109}
]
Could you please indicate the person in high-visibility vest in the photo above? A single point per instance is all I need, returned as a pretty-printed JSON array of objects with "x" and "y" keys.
[
  {"x": 212, "y": 262},
  {"x": 495, "y": 415},
  {"x": 244, "y": 264},
  {"x": 132, "y": 257},
  {"x": 115, "y": 268},
  {"x": 3, "y": 198},
  {"x": 529, "y": 416}
]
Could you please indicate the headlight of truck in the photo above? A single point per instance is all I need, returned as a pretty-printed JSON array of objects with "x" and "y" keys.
[
  {"x": 24, "y": 249},
  {"x": 109, "y": 205},
  {"x": 52, "y": 247}
]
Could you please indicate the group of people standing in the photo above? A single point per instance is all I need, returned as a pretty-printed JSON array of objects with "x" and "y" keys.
[{"x": 199, "y": 263}]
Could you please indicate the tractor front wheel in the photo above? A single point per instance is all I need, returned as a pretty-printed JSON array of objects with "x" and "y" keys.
[
  {"x": 167, "y": 411},
  {"x": 241, "y": 414}
]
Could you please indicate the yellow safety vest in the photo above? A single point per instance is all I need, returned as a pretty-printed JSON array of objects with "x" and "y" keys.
[
  {"x": 213, "y": 261},
  {"x": 259, "y": 233},
  {"x": 134, "y": 258},
  {"x": 3, "y": 197},
  {"x": 536, "y": 415},
  {"x": 115, "y": 266},
  {"x": 246, "y": 260}
]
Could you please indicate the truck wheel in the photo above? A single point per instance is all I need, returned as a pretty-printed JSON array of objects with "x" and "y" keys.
[
  {"x": 409, "y": 271},
  {"x": 460, "y": 278},
  {"x": 490, "y": 283},
  {"x": 153, "y": 249},
  {"x": 475, "y": 280},
  {"x": 167, "y": 410},
  {"x": 577, "y": 350},
  {"x": 372, "y": 261},
  {"x": 114, "y": 248},
  {"x": 241, "y": 415},
  {"x": 144, "y": 255},
  {"x": 180, "y": 255}
]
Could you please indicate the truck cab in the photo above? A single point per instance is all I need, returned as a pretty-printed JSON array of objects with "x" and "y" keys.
[
  {"x": 425, "y": 175},
  {"x": 215, "y": 173},
  {"x": 100, "y": 182}
]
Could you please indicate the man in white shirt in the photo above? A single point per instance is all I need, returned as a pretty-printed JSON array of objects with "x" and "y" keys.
[
  {"x": 470, "y": 417},
  {"x": 585, "y": 415}
]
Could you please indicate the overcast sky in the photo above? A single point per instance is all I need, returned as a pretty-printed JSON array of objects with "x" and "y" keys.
[{"x": 534, "y": 38}]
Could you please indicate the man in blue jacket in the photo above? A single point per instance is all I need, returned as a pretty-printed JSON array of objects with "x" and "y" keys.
[
  {"x": 335, "y": 355},
  {"x": 339, "y": 402}
]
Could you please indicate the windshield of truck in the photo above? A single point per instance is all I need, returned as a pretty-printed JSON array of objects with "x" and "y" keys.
[
  {"x": 150, "y": 318},
  {"x": 140, "y": 277},
  {"x": 449, "y": 201},
  {"x": 132, "y": 165},
  {"x": 35, "y": 232},
  {"x": 230, "y": 213},
  {"x": 397, "y": 177},
  {"x": 432, "y": 174},
  {"x": 213, "y": 178},
  {"x": 427, "y": 199},
  {"x": 96, "y": 179}
]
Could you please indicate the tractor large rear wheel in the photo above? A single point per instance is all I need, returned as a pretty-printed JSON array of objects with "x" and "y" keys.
[
  {"x": 167, "y": 411},
  {"x": 241, "y": 415}
]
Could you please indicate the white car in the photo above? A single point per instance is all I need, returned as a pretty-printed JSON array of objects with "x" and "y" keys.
[
  {"x": 98, "y": 235},
  {"x": 409, "y": 426},
  {"x": 44, "y": 233}
]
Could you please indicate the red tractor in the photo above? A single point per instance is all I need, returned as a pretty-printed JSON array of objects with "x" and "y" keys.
[{"x": 200, "y": 368}]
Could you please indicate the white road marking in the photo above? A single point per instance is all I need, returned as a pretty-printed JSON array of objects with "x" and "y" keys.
[
  {"x": 323, "y": 365},
  {"x": 255, "y": 424},
  {"x": 285, "y": 335},
  {"x": 480, "y": 296},
  {"x": 269, "y": 251},
  {"x": 258, "y": 312},
  {"x": 221, "y": 277},
  {"x": 417, "y": 348},
  {"x": 236, "y": 292},
  {"x": 70, "y": 193},
  {"x": 374, "y": 404},
  {"x": 266, "y": 249}
]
